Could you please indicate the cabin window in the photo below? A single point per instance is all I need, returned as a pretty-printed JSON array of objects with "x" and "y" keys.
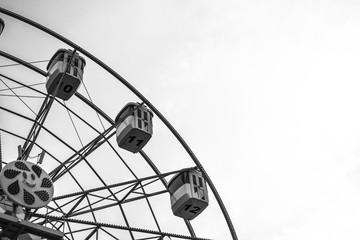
[
  {"x": 200, "y": 182},
  {"x": 194, "y": 179},
  {"x": 75, "y": 72},
  {"x": 185, "y": 177},
  {"x": 139, "y": 113},
  {"x": 76, "y": 62},
  {"x": 125, "y": 113},
  {"x": 178, "y": 182},
  {"x": 139, "y": 123},
  {"x": 61, "y": 57},
  {"x": 145, "y": 116}
]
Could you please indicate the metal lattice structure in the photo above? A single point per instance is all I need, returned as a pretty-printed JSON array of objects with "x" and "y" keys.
[{"x": 101, "y": 191}]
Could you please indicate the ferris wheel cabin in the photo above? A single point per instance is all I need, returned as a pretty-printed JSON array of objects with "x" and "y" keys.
[
  {"x": 68, "y": 74},
  {"x": 188, "y": 194},
  {"x": 134, "y": 127}
]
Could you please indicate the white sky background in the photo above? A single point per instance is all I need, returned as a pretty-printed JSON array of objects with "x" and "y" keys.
[{"x": 266, "y": 93}]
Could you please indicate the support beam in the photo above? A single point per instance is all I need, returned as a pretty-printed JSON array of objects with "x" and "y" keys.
[
  {"x": 123, "y": 183},
  {"x": 12, "y": 227},
  {"x": 113, "y": 226}
]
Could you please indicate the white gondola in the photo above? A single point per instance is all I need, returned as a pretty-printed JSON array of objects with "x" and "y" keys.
[
  {"x": 59, "y": 72},
  {"x": 2, "y": 25},
  {"x": 188, "y": 194},
  {"x": 134, "y": 127}
]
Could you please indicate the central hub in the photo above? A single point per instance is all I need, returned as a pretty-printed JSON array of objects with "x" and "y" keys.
[{"x": 26, "y": 184}]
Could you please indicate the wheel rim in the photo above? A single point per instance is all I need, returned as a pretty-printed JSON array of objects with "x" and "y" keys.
[{"x": 140, "y": 182}]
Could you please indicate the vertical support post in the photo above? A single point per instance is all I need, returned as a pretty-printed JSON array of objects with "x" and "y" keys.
[{"x": 41, "y": 157}]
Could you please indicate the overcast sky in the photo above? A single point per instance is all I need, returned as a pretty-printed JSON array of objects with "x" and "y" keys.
[{"x": 266, "y": 93}]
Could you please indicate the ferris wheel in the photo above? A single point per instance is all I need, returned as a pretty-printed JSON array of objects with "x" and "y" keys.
[{"x": 84, "y": 160}]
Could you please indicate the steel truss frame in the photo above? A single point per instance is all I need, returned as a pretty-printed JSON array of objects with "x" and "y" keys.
[{"x": 102, "y": 138}]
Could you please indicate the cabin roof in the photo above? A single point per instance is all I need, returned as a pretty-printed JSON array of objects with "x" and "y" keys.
[
  {"x": 126, "y": 107},
  {"x": 62, "y": 50}
]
